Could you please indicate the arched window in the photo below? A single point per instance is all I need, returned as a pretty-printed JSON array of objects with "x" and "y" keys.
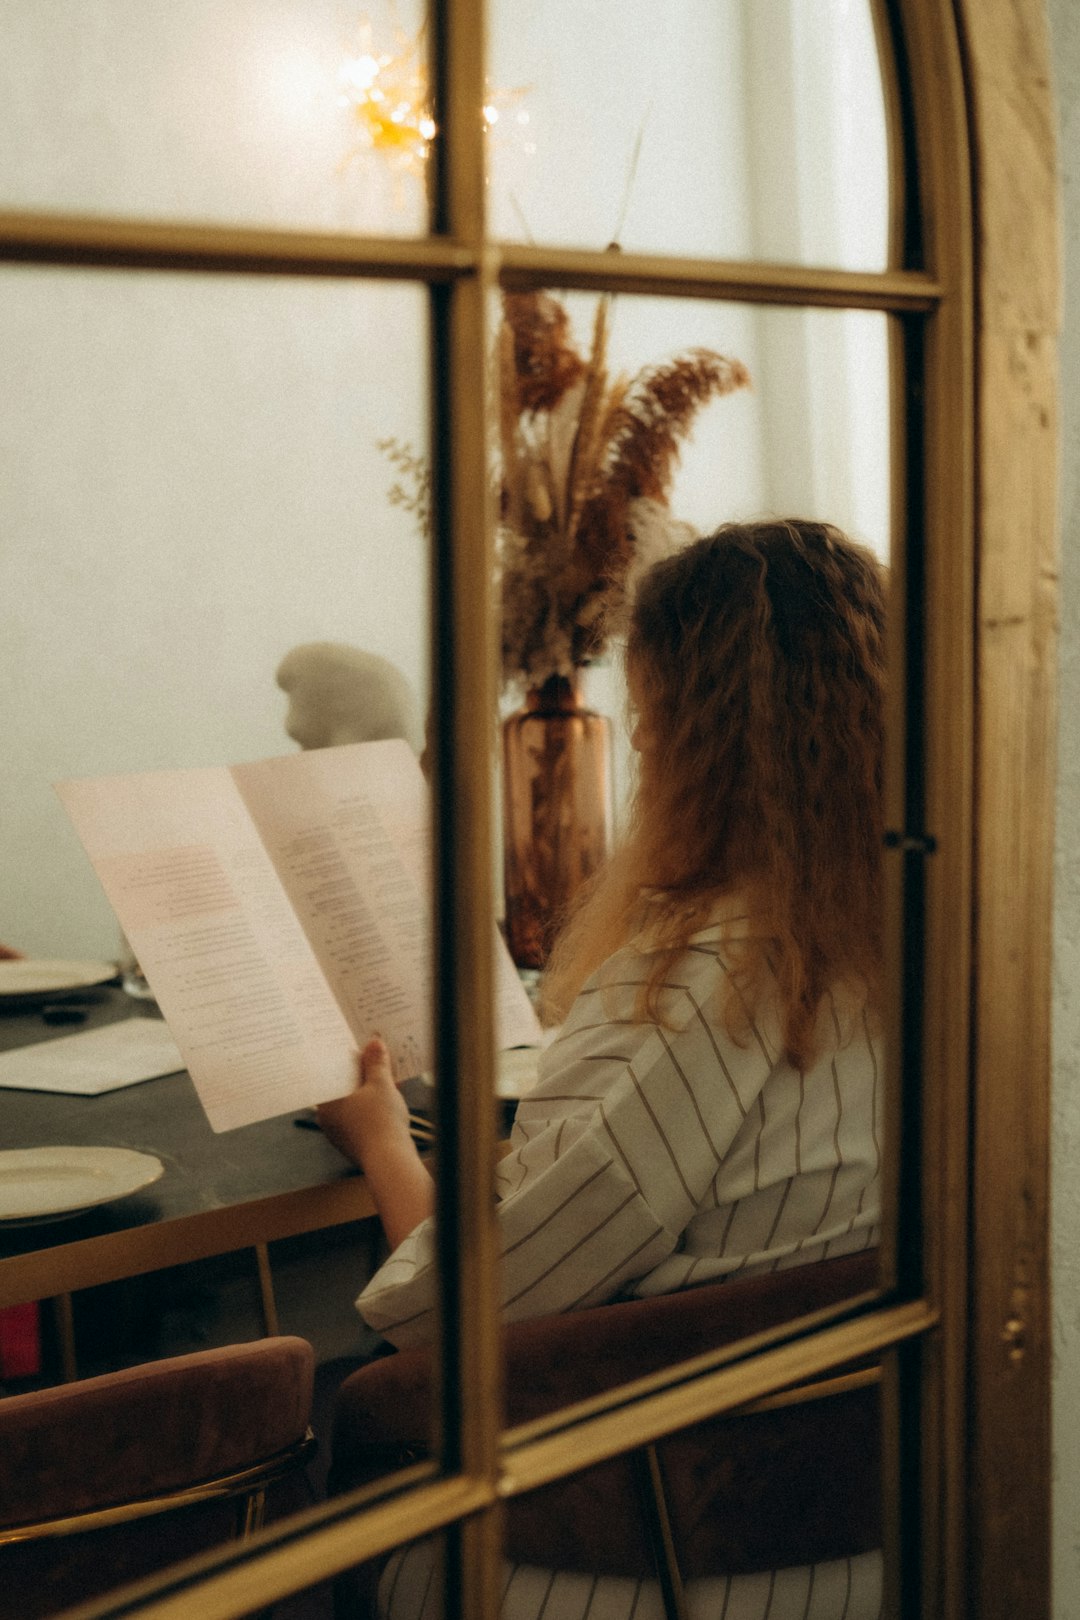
[{"x": 932, "y": 311}]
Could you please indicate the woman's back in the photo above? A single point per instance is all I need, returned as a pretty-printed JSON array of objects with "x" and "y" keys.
[
  {"x": 748, "y": 1163},
  {"x": 655, "y": 1154},
  {"x": 712, "y": 1102}
]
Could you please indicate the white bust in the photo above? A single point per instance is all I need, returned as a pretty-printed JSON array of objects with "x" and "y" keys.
[{"x": 341, "y": 694}]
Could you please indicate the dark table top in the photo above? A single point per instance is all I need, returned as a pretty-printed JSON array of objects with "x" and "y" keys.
[{"x": 208, "y": 1177}]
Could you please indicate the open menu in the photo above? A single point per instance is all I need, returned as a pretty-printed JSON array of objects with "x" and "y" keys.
[{"x": 280, "y": 912}]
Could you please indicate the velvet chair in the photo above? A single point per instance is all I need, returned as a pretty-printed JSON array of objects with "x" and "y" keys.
[
  {"x": 791, "y": 1481},
  {"x": 113, "y": 1478}
]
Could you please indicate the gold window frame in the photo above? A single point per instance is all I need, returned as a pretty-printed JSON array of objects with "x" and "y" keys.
[{"x": 976, "y": 326}]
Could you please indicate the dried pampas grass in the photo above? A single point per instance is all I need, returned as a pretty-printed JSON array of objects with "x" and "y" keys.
[{"x": 587, "y": 462}]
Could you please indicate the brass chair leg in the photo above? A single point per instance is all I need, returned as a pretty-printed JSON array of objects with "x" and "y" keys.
[
  {"x": 650, "y": 1483},
  {"x": 252, "y": 1509},
  {"x": 266, "y": 1291}
]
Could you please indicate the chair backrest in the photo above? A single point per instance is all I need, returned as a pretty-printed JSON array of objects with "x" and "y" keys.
[
  {"x": 747, "y": 1491},
  {"x": 109, "y": 1479}
]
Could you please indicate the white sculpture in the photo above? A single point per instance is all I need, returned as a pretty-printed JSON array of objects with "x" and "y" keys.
[{"x": 341, "y": 694}]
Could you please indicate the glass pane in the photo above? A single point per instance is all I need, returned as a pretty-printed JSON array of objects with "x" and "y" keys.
[
  {"x": 239, "y": 112},
  {"x": 206, "y": 568},
  {"x": 739, "y": 129},
  {"x": 195, "y": 488},
  {"x": 807, "y": 434},
  {"x": 711, "y": 1099}
]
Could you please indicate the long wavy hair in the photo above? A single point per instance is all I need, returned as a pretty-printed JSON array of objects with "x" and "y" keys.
[{"x": 755, "y": 664}]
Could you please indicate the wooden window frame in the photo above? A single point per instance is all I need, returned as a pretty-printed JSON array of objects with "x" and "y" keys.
[{"x": 980, "y": 319}]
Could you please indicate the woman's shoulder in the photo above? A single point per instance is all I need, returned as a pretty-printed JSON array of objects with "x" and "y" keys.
[
  {"x": 690, "y": 978},
  {"x": 729, "y": 918}
]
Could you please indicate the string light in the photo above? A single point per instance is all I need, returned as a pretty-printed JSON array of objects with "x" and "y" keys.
[{"x": 386, "y": 95}]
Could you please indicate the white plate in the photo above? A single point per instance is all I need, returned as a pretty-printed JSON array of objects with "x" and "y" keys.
[
  {"x": 515, "y": 1071},
  {"x": 31, "y": 978},
  {"x": 42, "y": 1183}
]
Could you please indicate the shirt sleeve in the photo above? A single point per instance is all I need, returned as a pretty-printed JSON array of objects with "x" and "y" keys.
[{"x": 612, "y": 1156}]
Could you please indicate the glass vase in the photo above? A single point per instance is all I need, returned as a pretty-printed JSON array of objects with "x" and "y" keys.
[{"x": 556, "y": 811}]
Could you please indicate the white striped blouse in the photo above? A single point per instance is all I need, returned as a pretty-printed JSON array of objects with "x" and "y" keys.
[
  {"x": 843, "y": 1589},
  {"x": 656, "y": 1155}
]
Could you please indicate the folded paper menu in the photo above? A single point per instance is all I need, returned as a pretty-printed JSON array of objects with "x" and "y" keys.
[
  {"x": 93, "y": 1061},
  {"x": 280, "y": 913}
]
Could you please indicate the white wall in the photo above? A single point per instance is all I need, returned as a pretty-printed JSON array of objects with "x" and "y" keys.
[
  {"x": 190, "y": 479},
  {"x": 1065, "y": 1137},
  {"x": 817, "y": 155},
  {"x": 191, "y": 488}
]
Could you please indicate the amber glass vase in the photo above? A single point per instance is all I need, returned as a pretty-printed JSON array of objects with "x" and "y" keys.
[{"x": 556, "y": 811}]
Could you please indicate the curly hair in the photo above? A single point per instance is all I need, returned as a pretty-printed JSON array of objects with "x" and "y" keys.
[{"x": 756, "y": 664}]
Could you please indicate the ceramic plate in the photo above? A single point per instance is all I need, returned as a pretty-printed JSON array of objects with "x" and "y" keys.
[
  {"x": 38, "y": 1184},
  {"x": 515, "y": 1073},
  {"x": 41, "y": 978}
]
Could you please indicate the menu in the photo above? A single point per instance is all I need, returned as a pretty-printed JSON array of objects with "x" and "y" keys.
[
  {"x": 280, "y": 912},
  {"x": 94, "y": 1061}
]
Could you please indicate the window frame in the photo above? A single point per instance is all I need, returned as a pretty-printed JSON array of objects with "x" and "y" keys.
[{"x": 974, "y": 1147}]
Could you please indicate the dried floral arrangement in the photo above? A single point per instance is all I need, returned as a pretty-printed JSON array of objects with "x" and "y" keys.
[
  {"x": 411, "y": 489},
  {"x": 586, "y": 465},
  {"x": 583, "y": 474}
]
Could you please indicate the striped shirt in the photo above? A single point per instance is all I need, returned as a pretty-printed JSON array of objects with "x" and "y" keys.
[
  {"x": 843, "y": 1589},
  {"x": 655, "y": 1155}
]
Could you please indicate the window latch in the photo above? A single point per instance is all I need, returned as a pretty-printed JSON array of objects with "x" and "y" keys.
[{"x": 920, "y": 843}]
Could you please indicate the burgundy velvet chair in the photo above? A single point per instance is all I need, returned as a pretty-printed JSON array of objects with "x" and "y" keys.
[
  {"x": 788, "y": 1482},
  {"x": 116, "y": 1477}
]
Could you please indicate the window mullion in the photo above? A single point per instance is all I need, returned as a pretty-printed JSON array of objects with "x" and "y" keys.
[{"x": 463, "y": 687}]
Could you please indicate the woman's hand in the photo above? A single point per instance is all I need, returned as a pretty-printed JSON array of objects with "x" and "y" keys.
[
  {"x": 371, "y": 1127},
  {"x": 372, "y": 1118}
]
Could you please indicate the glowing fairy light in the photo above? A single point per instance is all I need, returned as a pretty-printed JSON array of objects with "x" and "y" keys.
[
  {"x": 498, "y": 109},
  {"x": 385, "y": 93},
  {"x": 360, "y": 73}
]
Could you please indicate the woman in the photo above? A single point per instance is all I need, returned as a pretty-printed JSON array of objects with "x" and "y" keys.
[{"x": 711, "y": 1103}]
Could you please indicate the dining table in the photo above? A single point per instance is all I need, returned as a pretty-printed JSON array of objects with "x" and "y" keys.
[{"x": 219, "y": 1193}]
